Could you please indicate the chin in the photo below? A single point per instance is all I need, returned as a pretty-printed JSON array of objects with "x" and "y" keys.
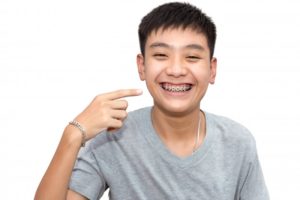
[{"x": 176, "y": 108}]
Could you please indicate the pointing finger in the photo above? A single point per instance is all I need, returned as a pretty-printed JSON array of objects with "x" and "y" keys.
[{"x": 123, "y": 93}]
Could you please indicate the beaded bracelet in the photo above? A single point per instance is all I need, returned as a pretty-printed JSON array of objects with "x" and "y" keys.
[{"x": 82, "y": 130}]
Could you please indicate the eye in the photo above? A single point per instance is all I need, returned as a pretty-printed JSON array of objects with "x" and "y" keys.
[
  {"x": 193, "y": 58},
  {"x": 160, "y": 56}
]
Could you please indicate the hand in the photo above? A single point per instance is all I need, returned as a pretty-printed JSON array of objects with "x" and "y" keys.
[{"x": 106, "y": 111}]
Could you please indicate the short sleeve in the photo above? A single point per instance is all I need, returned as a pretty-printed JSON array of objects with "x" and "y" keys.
[
  {"x": 87, "y": 178},
  {"x": 254, "y": 187}
]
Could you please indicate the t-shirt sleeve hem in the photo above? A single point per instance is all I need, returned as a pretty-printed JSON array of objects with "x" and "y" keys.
[{"x": 83, "y": 191}]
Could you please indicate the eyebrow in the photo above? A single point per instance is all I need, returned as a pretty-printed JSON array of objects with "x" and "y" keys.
[
  {"x": 165, "y": 45},
  {"x": 195, "y": 46},
  {"x": 159, "y": 44}
]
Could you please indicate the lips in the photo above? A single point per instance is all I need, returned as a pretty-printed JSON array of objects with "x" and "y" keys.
[{"x": 170, "y": 87}]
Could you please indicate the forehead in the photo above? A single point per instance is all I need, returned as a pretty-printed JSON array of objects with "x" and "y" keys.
[{"x": 177, "y": 37}]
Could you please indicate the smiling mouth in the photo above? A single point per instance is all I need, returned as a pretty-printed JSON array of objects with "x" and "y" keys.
[{"x": 176, "y": 87}]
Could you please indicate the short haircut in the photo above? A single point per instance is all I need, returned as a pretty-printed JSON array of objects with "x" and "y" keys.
[{"x": 177, "y": 15}]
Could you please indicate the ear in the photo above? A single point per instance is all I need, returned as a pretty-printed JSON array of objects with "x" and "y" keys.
[
  {"x": 141, "y": 66},
  {"x": 213, "y": 70}
]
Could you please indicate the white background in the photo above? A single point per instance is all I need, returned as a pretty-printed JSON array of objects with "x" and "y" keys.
[{"x": 55, "y": 56}]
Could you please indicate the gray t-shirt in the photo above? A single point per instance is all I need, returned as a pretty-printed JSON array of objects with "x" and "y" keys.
[{"x": 134, "y": 164}]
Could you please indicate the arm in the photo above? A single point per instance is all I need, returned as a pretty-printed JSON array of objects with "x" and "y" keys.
[
  {"x": 254, "y": 187},
  {"x": 105, "y": 111}
]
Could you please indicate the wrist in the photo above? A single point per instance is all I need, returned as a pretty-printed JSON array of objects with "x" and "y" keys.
[
  {"x": 81, "y": 129},
  {"x": 72, "y": 136}
]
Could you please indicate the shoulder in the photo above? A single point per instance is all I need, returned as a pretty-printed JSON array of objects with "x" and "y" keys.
[
  {"x": 228, "y": 127},
  {"x": 231, "y": 133}
]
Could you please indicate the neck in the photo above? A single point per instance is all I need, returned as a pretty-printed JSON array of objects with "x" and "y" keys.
[
  {"x": 180, "y": 132},
  {"x": 176, "y": 127}
]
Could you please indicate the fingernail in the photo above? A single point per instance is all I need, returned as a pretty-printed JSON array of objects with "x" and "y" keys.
[{"x": 139, "y": 91}]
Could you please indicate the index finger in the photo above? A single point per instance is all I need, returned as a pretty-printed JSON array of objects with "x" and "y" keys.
[{"x": 123, "y": 93}]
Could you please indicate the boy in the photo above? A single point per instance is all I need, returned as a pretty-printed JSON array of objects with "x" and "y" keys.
[{"x": 172, "y": 150}]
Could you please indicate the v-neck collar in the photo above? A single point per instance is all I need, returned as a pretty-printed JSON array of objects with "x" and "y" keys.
[{"x": 160, "y": 148}]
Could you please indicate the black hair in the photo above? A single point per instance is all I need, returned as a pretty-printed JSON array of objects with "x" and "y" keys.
[{"x": 177, "y": 15}]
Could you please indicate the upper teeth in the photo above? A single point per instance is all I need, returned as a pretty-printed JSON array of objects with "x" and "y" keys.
[{"x": 176, "y": 88}]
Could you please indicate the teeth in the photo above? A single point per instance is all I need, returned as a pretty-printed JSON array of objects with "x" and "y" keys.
[{"x": 176, "y": 88}]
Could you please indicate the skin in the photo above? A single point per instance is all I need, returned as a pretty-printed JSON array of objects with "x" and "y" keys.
[
  {"x": 106, "y": 111},
  {"x": 177, "y": 56},
  {"x": 174, "y": 56}
]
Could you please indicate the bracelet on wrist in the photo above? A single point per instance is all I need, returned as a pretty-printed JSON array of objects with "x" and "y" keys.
[{"x": 82, "y": 130}]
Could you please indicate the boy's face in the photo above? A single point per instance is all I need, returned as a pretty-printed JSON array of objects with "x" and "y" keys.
[{"x": 177, "y": 69}]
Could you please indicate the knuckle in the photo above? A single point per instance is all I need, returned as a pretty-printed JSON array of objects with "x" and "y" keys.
[
  {"x": 98, "y": 98},
  {"x": 106, "y": 119},
  {"x": 123, "y": 114},
  {"x": 125, "y": 103},
  {"x": 115, "y": 124},
  {"x": 103, "y": 103},
  {"x": 119, "y": 124}
]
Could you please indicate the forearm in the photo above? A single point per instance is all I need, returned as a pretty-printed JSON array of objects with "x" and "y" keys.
[
  {"x": 105, "y": 111},
  {"x": 54, "y": 184}
]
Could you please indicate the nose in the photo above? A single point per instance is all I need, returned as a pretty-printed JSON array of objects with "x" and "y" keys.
[{"x": 176, "y": 68}]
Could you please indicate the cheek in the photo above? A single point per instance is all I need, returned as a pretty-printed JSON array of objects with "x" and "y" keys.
[
  {"x": 152, "y": 70},
  {"x": 201, "y": 74}
]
